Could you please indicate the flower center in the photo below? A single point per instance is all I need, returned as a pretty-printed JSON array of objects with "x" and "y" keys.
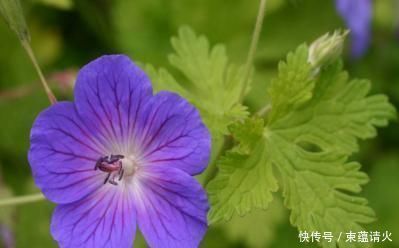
[
  {"x": 117, "y": 167},
  {"x": 130, "y": 166}
]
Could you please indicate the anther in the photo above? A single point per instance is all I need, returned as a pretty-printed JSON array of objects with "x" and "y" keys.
[{"x": 111, "y": 164}]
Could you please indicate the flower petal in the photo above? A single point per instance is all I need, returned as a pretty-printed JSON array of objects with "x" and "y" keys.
[
  {"x": 108, "y": 92},
  {"x": 171, "y": 208},
  {"x": 63, "y": 153},
  {"x": 171, "y": 133},
  {"x": 104, "y": 219},
  {"x": 357, "y": 15}
]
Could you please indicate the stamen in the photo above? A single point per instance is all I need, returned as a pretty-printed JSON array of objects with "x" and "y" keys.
[{"x": 111, "y": 164}]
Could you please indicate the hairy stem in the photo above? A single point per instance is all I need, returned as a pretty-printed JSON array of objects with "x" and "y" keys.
[
  {"x": 21, "y": 199},
  {"x": 29, "y": 51},
  {"x": 253, "y": 46}
]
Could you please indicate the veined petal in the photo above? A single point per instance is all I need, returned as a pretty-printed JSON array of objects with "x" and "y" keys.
[
  {"x": 109, "y": 92},
  {"x": 172, "y": 134},
  {"x": 171, "y": 208},
  {"x": 160, "y": 142},
  {"x": 63, "y": 153},
  {"x": 104, "y": 219}
]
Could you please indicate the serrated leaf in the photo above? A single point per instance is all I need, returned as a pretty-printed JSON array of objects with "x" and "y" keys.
[
  {"x": 308, "y": 138},
  {"x": 209, "y": 81},
  {"x": 163, "y": 80},
  {"x": 243, "y": 182},
  {"x": 339, "y": 113},
  {"x": 293, "y": 85}
]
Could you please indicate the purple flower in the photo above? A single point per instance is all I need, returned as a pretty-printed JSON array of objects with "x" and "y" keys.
[
  {"x": 357, "y": 15},
  {"x": 119, "y": 156}
]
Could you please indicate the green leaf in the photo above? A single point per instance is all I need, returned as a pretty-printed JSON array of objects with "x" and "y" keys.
[
  {"x": 207, "y": 80},
  {"x": 339, "y": 113},
  {"x": 294, "y": 84},
  {"x": 243, "y": 182},
  {"x": 313, "y": 127},
  {"x": 163, "y": 80}
]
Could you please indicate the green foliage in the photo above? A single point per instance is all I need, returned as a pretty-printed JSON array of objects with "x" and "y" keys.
[
  {"x": 381, "y": 191},
  {"x": 15, "y": 132},
  {"x": 312, "y": 128},
  {"x": 208, "y": 80},
  {"x": 243, "y": 182},
  {"x": 266, "y": 222},
  {"x": 33, "y": 223},
  {"x": 142, "y": 29},
  {"x": 293, "y": 85},
  {"x": 6, "y": 213},
  {"x": 59, "y": 4}
]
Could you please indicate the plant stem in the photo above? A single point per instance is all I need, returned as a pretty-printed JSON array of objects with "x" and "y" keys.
[
  {"x": 264, "y": 110},
  {"x": 21, "y": 199},
  {"x": 211, "y": 171},
  {"x": 29, "y": 51},
  {"x": 254, "y": 44},
  {"x": 221, "y": 146}
]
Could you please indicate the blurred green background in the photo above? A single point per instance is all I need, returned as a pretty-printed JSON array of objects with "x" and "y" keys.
[{"x": 66, "y": 34}]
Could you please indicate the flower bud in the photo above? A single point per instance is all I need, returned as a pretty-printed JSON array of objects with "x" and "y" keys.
[{"x": 326, "y": 49}]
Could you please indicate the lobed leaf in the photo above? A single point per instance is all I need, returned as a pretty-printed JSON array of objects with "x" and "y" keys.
[
  {"x": 293, "y": 85},
  {"x": 313, "y": 127},
  {"x": 243, "y": 182},
  {"x": 209, "y": 81}
]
